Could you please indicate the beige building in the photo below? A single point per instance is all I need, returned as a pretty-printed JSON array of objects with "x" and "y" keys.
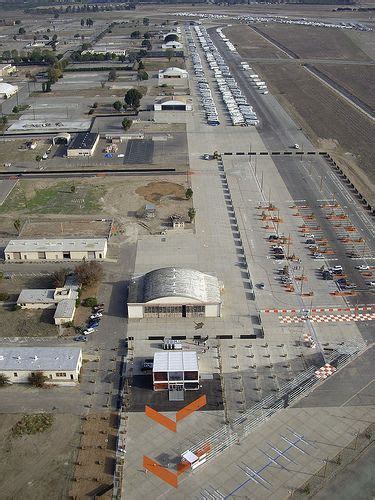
[
  {"x": 83, "y": 144},
  {"x": 61, "y": 365},
  {"x": 63, "y": 299},
  {"x": 56, "y": 249},
  {"x": 175, "y": 293},
  {"x": 172, "y": 73},
  {"x": 7, "y": 69},
  {"x": 173, "y": 103}
]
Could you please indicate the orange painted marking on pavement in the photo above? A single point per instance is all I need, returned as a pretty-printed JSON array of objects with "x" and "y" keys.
[{"x": 160, "y": 419}]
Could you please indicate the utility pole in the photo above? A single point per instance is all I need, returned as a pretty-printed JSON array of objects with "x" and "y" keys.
[
  {"x": 302, "y": 278},
  {"x": 288, "y": 247}
]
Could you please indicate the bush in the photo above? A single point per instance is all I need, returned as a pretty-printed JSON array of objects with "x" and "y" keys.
[
  {"x": 90, "y": 302},
  {"x": 126, "y": 123},
  {"x": 4, "y": 380},
  {"x": 37, "y": 379},
  {"x": 32, "y": 424},
  {"x": 4, "y": 296},
  {"x": 16, "y": 307},
  {"x": 78, "y": 302}
]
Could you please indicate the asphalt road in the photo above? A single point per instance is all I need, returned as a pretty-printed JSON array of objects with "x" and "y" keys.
[{"x": 279, "y": 132}]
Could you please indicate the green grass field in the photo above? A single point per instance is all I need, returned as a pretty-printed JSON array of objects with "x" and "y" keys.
[{"x": 56, "y": 199}]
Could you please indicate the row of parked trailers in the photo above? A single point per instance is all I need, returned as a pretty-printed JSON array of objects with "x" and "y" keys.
[
  {"x": 205, "y": 93},
  {"x": 255, "y": 80},
  {"x": 240, "y": 111}
]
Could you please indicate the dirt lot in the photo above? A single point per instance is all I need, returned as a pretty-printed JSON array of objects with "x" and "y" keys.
[
  {"x": 119, "y": 198},
  {"x": 328, "y": 120},
  {"x": 67, "y": 228},
  {"x": 310, "y": 42},
  {"x": 251, "y": 45},
  {"x": 358, "y": 80},
  {"x": 156, "y": 63},
  {"x": 20, "y": 152},
  {"x": 96, "y": 458},
  {"x": 38, "y": 466}
]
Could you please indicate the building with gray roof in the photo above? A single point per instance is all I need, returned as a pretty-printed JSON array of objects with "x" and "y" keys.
[
  {"x": 174, "y": 292},
  {"x": 59, "y": 364}
]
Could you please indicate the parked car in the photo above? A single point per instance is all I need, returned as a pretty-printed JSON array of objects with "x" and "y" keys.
[
  {"x": 88, "y": 330},
  {"x": 370, "y": 283},
  {"x": 318, "y": 256},
  {"x": 147, "y": 365},
  {"x": 80, "y": 338},
  {"x": 93, "y": 323},
  {"x": 96, "y": 315},
  {"x": 336, "y": 269},
  {"x": 362, "y": 267}
]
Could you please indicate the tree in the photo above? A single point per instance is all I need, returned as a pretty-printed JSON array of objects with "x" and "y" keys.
[
  {"x": 146, "y": 35},
  {"x": 191, "y": 214},
  {"x": 54, "y": 74},
  {"x": 135, "y": 34},
  {"x": 73, "y": 188},
  {"x": 82, "y": 22},
  {"x": 142, "y": 75},
  {"x": 17, "y": 225},
  {"x": 21, "y": 31},
  {"x": 188, "y": 193},
  {"x": 4, "y": 380},
  {"x": 146, "y": 21},
  {"x": 169, "y": 53},
  {"x": 146, "y": 44},
  {"x": 141, "y": 65},
  {"x": 89, "y": 273},
  {"x": 37, "y": 379},
  {"x": 58, "y": 277},
  {"x": 133, "y": 98},
  {"x": 112, "y": 75},
  {"x": 117, "y": 105},
  {"x": 126, "y": 123}
]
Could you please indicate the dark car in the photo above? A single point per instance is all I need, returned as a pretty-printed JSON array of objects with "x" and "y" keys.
[{"x": 147, "y": 365}]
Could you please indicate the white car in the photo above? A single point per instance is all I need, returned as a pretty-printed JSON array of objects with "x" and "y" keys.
[
  {"x": 319, "y": 256},
  {"x": 362, "y": 267},
  {"x": 88, "y": 331},
  {"x": 370, "y": 283},
  {"x": 335, "y": 269},
  {"x": 96, "y": 315}
]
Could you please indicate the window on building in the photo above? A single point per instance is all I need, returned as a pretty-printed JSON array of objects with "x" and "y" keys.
[
  {"x": 61, "y": 374},
  {"x": 66, "y": 255},
  {"x": 15, "y": 374}
]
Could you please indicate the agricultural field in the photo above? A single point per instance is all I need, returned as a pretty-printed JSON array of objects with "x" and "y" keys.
[
  {"x": 356, "y": 79},
  {"x": 330, "y": 121},
  {"x": 251, "y": 45},
  {"x": 316, "y": 43}
]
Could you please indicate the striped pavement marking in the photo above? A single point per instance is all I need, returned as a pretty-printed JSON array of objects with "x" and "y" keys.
[
  {"x": 327, "y": 318},
  {"x": 360, "y": 308}
]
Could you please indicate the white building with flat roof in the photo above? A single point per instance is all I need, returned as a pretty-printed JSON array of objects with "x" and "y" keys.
[
  {"x": 172, "y": 73},
  {"x": 56, "y": 249},
  {"x": 59, "y": 364},
  {"x": 175, "y": 370}
]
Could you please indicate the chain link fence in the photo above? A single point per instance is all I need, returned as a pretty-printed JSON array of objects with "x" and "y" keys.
[{"x": 333, "y": 466}]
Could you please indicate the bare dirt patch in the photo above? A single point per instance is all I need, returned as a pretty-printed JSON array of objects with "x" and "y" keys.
[
  {"x": 155, "y": 192},
  {"x": 65, "y": 228},
  {"x": 326, "y": 117},
  {"x": 96, "y": 458},
  {"x": 251, "y": 45},
  {"x": 356, "y": 79},
  {"x": 310, "y": 42},
  {"x": 39, "y": 465}
]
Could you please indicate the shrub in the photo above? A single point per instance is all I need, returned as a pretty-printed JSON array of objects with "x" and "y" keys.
[
  {"x": 32, "y": 424},
  {"x": 4, "y": 380},
  {"x": 90, "y": 302},
  {"x": 78, "y": 302},
  {"x": 4, "y": 296},
  {"x": 37, "y": 379}
]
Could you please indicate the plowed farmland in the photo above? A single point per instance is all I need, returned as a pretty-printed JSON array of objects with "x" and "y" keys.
[
  {"x": 315, "y": 43},
  {"x": 251, "y": 45},
  {"x": 328, "y": 119},
  {"x": 356, "y": 79}
]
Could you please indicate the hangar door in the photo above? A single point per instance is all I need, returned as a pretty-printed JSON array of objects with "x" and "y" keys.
[
  {"x": 174, "y": 311},
  {"x": 173, "y": 107}
]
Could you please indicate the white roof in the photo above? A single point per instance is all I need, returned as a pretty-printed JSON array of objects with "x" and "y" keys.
[
  {"x": 7, "y": 88},
  {"x": 173, "y": 361},
  {"x": 65, "y": 308},
  {"x": 39, "y": 358},
  {"x": 37, "y": 296},
  {"x": 51, "y": 245},
  {"x": 173, "y": 71}
]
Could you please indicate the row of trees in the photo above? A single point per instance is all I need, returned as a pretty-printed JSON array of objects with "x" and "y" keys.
[
  {"x": 88, "y": 273},
  {"x": 36, "y": 56},
  {"x": 89, "y": 23},
  {"x": 79, "y": 8}
]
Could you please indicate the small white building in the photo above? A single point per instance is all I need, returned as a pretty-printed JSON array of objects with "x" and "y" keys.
[
  {"x": 7, "y": 90},
  {"x": 175, "y": 370},
  {"x": 174, "y": 293},
  {"x": 61, "y": 365},
  {"x": 173, "y": 103},
  {"x": 172, "y": 45},
  {"x": 56, "y": 249},
  {"x": 172, "y": 73}
]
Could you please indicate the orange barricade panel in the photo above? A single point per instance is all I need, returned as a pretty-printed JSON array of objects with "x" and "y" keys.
[
  {"x": 160, "y": 419},
  {"x": 190, "y": 408},
  {"x": 163, "y": 473}
]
